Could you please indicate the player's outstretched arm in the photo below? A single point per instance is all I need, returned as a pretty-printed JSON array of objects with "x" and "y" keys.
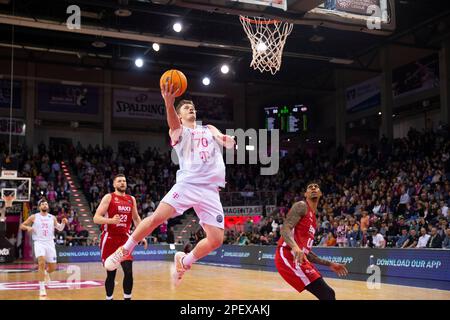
[
  {"x": 26, "y": 225},
  {"x": 60, "y": 226},
  {"x": 294, "y": 215},
  {"x": 101, "y": 211},
  {"x": 338, "y": 268},
  {"x": 222, "y": 139},
  {"x": 173, "y": 121}
]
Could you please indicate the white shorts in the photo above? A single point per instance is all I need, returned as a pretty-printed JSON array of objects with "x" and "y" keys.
[
  {"x": 204, "y": 199},
  {"x": 45, "y": 249}
]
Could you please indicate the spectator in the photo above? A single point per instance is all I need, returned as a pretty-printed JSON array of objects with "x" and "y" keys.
[
  {"x": 378, "y": 239},
  {"x": 423, "y": 239},
  {"x": 364, "y": 222},
  {"x": 435, "y": 240},
  {"x": 402, "y": 239},
  {"x": 412, "y": 240},
  {"x": 446, "y": 242},
  {"x": 171, "y": 235},
  {"x": 243, "y": 240},
  {"x": 331, "y": 240},
  {"x": 341, "y": 234}
]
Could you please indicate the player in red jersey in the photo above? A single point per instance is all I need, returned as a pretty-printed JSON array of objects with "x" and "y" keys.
[
  {"x": 294, "y": 257},
  {"x": 115, "y": 213}
]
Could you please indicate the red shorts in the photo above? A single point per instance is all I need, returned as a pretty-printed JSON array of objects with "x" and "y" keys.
[
  {"x": 297, "y": 277},
  {"x": 110, "y": 242}
]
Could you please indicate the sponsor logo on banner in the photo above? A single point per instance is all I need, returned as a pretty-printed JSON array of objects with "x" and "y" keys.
[
  {"x": 364, "y": 95},
  {"x": 137, "y": 104},
  {"x": 55, "y": 97},
  {"x": 16, "y": 126},
  {"x": 243, "y": 211},
  {"x": 417, "y": 76}
]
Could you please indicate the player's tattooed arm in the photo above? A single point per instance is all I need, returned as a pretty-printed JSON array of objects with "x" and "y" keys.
[
  {"x": 294, "y": 215},
  {"x": 312, "y": 257},
  {"x": 338, "y": 268}
]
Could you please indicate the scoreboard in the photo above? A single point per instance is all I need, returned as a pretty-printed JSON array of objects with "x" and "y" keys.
[{"x": 286, "y": 118}]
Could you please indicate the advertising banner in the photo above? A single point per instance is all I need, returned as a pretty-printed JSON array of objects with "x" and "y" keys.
[
  {"x": 56, "y": 97},
  {"x": 364, "y": 95},
  {"x": 16, "y": 126},
  {"x": 5, "y": 94},
  {"x": 429, "y": 264},
  {"x": 417, "y": 76},
  {"x": 138, "y": 105}
]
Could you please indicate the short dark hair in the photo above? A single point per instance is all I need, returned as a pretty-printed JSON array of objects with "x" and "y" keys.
[
  {"x": 42, "y": 201},
  {"x": 119, "y": 176},
  {"x": 183, "y": 102},
  {"x": 312, "y": 182}
]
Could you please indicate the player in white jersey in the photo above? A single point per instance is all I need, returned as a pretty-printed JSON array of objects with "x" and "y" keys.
[
  {"x": 201, "y": 174},
  {"x": 42, "y": 227}
]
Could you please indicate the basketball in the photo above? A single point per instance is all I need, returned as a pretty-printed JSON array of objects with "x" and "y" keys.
[{"x": 175, "y": 77}]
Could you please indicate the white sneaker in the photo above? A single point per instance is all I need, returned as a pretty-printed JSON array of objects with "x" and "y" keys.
[
  {"x": 180, "y": 269},
  {"x": 114, "y": 260},
  {"x": 42, "y": 292},
  {"x": 47, "y": 278}
]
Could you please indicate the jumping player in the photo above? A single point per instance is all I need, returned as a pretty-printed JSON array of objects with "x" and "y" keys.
[
  {"x": 202, "y": 172},
  {"x": 42, "y": 226},
  {"x": 294, "y": 257},
  {"x": 115, "y": 213}
]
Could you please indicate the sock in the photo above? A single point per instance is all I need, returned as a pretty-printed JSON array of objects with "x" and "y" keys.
[
  {"x": 130, "y": 244},
  {"x": 41, "y": 285},
  {"x": 188, "y": 260},
  {"x": 109, "y": 298},
  {"x": 126, "y": 296}
]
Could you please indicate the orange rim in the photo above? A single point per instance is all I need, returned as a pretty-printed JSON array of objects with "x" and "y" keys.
[{"x": 253, "y": 21}]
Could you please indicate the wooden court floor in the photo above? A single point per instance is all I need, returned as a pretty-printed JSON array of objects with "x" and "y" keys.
[{"x": 203, "y": 282}]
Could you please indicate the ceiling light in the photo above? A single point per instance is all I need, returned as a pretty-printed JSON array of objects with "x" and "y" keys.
[
  {"x": 224, "y": 69},
  {"x": 177, "y": 27},
  {"x": 206, "y": 81}
]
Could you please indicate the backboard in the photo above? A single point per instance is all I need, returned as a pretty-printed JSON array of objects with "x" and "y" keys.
[
  {"x": 10, "y": 183},
  {"x": 370, "y": 16}
]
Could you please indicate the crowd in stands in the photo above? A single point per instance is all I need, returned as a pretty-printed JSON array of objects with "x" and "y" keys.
[
  {"x": 150, "y": 176},
  {"x": 393, "y": 194},
  {"x": 49, "y": 182}
]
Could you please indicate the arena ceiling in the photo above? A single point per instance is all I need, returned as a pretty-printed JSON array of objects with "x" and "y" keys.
[{"x": 209, "y": 38}]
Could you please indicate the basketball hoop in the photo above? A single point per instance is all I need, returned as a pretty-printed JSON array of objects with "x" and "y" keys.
[{"x": 267, "y": 38}]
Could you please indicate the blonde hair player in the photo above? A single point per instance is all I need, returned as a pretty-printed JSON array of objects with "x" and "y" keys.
[
  {"x": 42, "y": 226},
  {"x": 115, "y": 213},
  {"x": 201, "y": 173}
]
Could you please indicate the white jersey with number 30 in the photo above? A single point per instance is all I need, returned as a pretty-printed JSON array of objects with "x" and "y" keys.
[
  {"x": 200, "y": 157},
  {"x": 43, "y": 227}
]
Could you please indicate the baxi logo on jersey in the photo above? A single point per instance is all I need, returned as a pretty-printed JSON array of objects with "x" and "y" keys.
[
  {"x": 312, "y": 230},
  {"x": 124, "y": 208},
  {"x": 4, "y": 252}
]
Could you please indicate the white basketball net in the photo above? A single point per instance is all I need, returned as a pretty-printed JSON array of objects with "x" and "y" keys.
[{"x": 267, "y": 38}]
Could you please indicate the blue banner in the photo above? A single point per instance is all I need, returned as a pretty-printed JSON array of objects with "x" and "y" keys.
[
  {"x": 429, "y": 264},
  {"x": 67, "y": 98},
  {"x": 5, "y": 94}
]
